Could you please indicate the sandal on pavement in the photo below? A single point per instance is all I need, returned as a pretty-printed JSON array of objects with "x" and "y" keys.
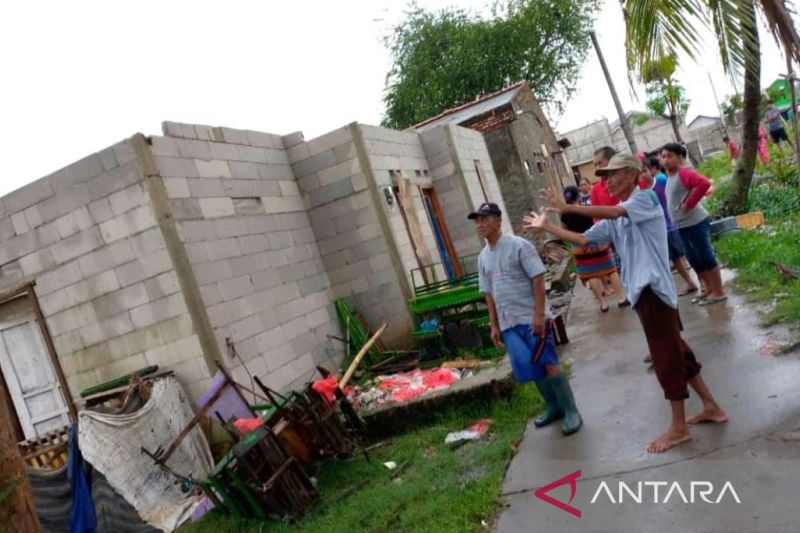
[
  {"x": 684, "y": 292},
  {"x": 625, "y": 303},
  {"x": 711, "y": 300},
  {"x": 700, "y": 298}
]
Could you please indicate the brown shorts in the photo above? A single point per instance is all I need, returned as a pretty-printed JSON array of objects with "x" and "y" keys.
[{"x": 673, "y": 360}]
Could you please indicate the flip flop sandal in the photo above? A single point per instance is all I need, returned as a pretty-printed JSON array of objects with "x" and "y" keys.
[
  {"x": 688, "y": 291},
  {"x": 604, "y": 309},
  {"x": 699, "y": 299},
  {"x": 713, "y": 300}
]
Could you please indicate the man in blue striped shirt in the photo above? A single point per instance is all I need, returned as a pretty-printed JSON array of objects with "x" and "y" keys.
[{"x": 511, "y": 275}]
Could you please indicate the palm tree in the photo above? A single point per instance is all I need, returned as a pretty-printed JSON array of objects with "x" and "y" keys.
[{"x": 658, "y": 29}]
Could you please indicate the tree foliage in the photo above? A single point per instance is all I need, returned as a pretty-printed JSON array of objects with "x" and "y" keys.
[
  {"x": 731, "y": 106},
  {"x": 446, "y": 58}
]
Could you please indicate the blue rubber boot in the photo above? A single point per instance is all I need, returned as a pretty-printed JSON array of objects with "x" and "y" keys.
[
  {"x": 563, "y": 392},
  {"x": 552, "y": 410}
]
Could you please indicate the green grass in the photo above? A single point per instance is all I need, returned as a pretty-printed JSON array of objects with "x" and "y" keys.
[
  {"x": 435, "y": 488},
  {"x": 751, "y": 252}
]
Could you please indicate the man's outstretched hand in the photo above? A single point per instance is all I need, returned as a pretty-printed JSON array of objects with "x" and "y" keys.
[
  {"x": 535, "y": 221},
  {"x": 552, "y": 200}
]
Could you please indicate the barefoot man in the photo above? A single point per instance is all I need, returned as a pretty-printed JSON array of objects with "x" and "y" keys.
[{"x": 636, "y": 227}]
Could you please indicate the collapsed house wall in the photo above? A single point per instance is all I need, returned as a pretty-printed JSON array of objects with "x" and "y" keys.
[
  {"x": 254, "y": 256},
  {"x": 88, "y": 237}
]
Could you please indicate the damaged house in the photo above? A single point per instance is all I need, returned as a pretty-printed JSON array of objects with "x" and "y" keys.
[{"x": 171, "y": 250}]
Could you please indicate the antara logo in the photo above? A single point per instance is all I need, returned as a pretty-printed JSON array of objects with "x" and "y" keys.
[{"x": 640, "y": 492}]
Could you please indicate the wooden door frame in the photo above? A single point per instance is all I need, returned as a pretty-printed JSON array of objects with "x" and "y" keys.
[
  {"x": 29, "y": 290},
  {"x": 422, "y": 268},
  {"x": 430, "y": 191}
]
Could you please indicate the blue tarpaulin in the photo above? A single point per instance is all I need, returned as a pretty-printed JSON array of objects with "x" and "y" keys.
[{"x": 83, "y": 519}]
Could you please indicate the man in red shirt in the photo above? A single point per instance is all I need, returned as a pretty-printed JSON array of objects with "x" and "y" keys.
[
  {"x": 600, "y": 195},
  {"x": 733, "y": 148}
]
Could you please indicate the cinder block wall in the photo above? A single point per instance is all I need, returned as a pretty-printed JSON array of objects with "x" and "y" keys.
[
  {"x": 390, "y": 151},
  {"x": 249, "y": 239},
  {"x": 454, "y": 193},
  {"x": 358, "y": 255},
  {"x": 88, "y": 236}
]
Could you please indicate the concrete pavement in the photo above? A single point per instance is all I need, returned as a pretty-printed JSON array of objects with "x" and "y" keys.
[{"x": 623, "y": 407}]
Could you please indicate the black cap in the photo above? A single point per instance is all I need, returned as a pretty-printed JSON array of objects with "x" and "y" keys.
[{"x": 485, "y": 210}]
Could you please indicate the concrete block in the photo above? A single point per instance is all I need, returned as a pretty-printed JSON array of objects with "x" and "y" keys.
[
  {"x": 36, "y": 262},
  {"x": 197, "y": 252},
  {"x": 289, "y": 273},
  {"x": 128, "y": 198},
  {"x": 74, "y": 222},
  {"x": 162, "y": 285},
  {"x": 212, "y": 272},
  {"x": 198, "y": 230},
  {"x": 204, "y": 133},
  {"x": 71, "y": 319},
  {"x": 224, "y": 151},
  {"x": 244, "y": 170},
  {"x": 233, "y": 289},
  {"x": 163, "y": 146},
  {"x": 329, "y": 140},
  {"x": 147, "y": 242},
  {"x": 276, "y": 157},
  {"x": 206, "y": 187},
  {"x": 77, "y": 245},
  {"x": 226, "y": 313},
  {"x": 20, "y": 223},
  {"x": 313, "y": 284},
  {"x": 64, "y": 202},
  {"x": 107, "y": 329},
  {"x": 193, "y": 149},
  {"x": 186, "y": 209},
  {"x": 6, "y": 227},
  {"x": 191, "y": 371},
  {"x": 175, "y": 167},
  {"x": 317, "y": 318},
  {"x": 223, "y": 249},
  {"x": 292, "y": 139},
  {"x": 236, "y": 226},
  {"x": 248, "y": 206},
  {"x": 211, "y": 295},
  {"x": 172, "y": 129},
  {"x": 252, "y": 244},
  {"x": 130, "y": 223},
  {"x": 67, "y": 343},
  {"x": 234, "y": 136},
  {"x": 286, "y": 292},
  {"x": 301, "y": 367},
  {"x": 277, "y": 356},
  {"x": 275, "y": 172},
  {"x": 264, "y": 140},
  {"x": 33, "y": 216},
  {"x": 213, "y": 169},
  {"x": 298, "y": 152},
  {"x": 288, "y": 204},
  {"x": 244, "y": 266},
  {"x": 359, "y": 182},
  {"x": 240, "y": 188},
  {"x": 100, "y": 210},
  {"x": 245, "y": 329},
  {"x": 315, "y": 163},
  {"x": 112, "y": 181},
  {"x": 120, "y": 300},
  {"x": 77, "y": 172},
  {"x": 297, "y": 254},
  {"x": 162, "y": 309},
  {"x": 289, "y": 188},
  {"x": 265, "y": 280},
  {"x": 346, "y": 151},
  {"x": 308, "y": 183},
  {"x": 216, "y": 207},
  {"x": 107, "y": 158},
  {"x": 252, "y": 154},
  {"x": 331, "y": 193},
  {"x": 338, "y": 172},
  {"x": 28, "y": 195},
  {"x": 278, "y": 377},
  {"x": 59, "y": 278},
  {"x": 144, "y": 267}
]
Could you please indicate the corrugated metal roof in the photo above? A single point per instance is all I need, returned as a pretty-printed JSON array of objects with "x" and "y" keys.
[{"x": 464, "y": 112}]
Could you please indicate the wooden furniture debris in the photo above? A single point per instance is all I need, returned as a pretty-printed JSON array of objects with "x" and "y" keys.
[
  {"x": 750, "y": 220},
  {"x": 48, "y": 450}
]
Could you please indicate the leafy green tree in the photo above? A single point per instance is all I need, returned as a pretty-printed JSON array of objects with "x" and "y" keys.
[
  {"x": 446, "y": 58},
  {"x": 665, "y": 97},
  {"x": 731, "y": 107},
  {"x": 655, "y": 30}
]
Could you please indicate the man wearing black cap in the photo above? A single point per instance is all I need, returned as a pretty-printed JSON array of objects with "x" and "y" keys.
[
  {"x": 636, "y": 226},
  {"x": 511, "y": 275}
]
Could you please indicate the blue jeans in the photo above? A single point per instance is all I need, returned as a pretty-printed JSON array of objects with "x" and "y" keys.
[
  {"x": 523, "y": 347},
  {"x": 697, "y": 241}
]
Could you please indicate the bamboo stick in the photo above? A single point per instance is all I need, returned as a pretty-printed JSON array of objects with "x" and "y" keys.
[{"x": 360, "y": 355}]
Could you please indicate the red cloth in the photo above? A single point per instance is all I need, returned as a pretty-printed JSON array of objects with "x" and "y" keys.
[
  {"x": 600, "y": 195},
  {"x": 406, "y": 386},
  {"x": 325, "y": 387},
  {"x": 247, "y": 425}
]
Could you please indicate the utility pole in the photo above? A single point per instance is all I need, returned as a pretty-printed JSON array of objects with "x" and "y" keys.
[
  {"x": 623, "y": 120},
  {"x": 792, "y": 90},
  {"x": 719, "y": 107}
]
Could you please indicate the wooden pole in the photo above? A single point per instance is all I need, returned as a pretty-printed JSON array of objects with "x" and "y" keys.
[
  {"x": 360, "y": 355},
  {"x": 17, "y": 509}
]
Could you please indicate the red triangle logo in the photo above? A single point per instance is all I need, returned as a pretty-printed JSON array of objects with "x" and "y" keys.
[{"x": 572, "y": 478}]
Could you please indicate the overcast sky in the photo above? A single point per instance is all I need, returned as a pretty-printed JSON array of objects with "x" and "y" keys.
[{"x": 81, "y": 75}]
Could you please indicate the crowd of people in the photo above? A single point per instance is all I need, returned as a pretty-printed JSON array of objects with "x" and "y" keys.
[{"x": 642, "y": 216}]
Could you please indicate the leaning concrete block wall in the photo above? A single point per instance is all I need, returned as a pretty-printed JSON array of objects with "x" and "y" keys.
[
  {"x": 252, "y": 250},
  {"x": 89, "y": 238},
  {"x": 454, "y": 193},
  {"x": 356, "y": 252},
  {"x": 470, "y": 147}
]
